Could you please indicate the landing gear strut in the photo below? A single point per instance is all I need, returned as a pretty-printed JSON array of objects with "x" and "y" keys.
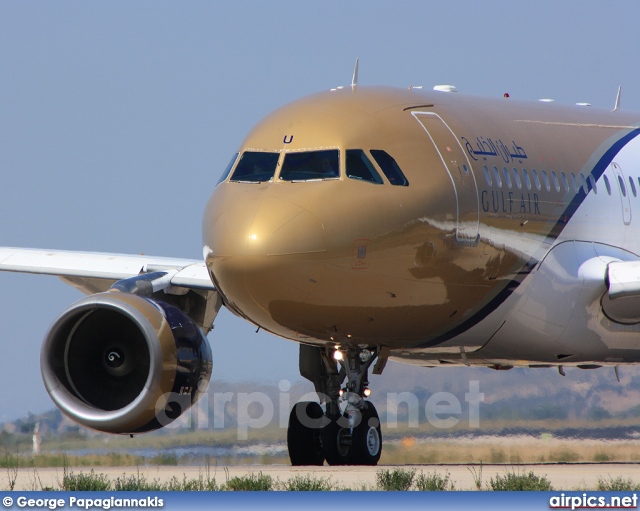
[{"x": 348, "y": 433}]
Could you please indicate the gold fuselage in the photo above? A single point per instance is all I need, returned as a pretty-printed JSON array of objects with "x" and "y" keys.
[{"x": 289, "y": 256}]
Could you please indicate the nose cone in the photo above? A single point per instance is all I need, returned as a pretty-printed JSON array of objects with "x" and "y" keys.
[
  {"x": 271, "y": 227},
  {"x": 262, "y": 252}
]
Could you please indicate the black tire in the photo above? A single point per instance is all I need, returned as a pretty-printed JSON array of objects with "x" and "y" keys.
[
  {"x": 304, "y": 434},
  {"x": 367, "y": 438},
  {"x": 337, "y": 444}
]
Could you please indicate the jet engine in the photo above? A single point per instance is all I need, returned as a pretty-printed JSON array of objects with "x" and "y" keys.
[{"x": 122, "y": 363}]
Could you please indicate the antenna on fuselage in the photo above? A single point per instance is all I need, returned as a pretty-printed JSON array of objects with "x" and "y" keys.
[
  {"x": 354, "y": 80},
  {"x": 617, "y": 99}
]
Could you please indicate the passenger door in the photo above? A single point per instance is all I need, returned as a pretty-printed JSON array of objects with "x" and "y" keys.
[
  {"x": 458, "y": 166},
  {"x": 624, "y": 192}
]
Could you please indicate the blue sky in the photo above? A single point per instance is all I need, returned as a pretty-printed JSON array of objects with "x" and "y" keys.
[{"x": 116, "y": 119}]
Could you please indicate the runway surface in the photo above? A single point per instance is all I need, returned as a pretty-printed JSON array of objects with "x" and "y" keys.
[{"x": 568, "y": 476}]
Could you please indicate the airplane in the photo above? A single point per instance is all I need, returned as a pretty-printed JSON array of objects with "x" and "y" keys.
[{"x": 370, "y": 224}]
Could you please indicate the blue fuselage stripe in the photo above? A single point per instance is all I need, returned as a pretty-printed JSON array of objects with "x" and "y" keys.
[{"x": 556, "y": 230}]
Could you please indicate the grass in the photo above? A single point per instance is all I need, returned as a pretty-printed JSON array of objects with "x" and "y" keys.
[
  {"x": 401, "y": 448},
  {"x": 507, "y": 450},
  {"x": 307, "y": 483},
  {"x": 434, "y": 482},
  {"x": 61, "y": 460},
  {"x": 477, "y": 476},
  {"x": 404, "y": 480},
  {"x": 617, "y": 484},
  {"x": 250, "y": 482},
  {"x": 136, "y": 482},
  {"x": 85, "y": 482},
  {"x": 512, "y": 481},
  {"x": 395, "y": 480},
  {"x": 405, "y": 452},
  {"x": 12, "y": 464},
  {"x": 193, "y": 484}
]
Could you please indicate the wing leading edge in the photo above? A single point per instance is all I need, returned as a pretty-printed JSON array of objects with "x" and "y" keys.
[{"x": 100, "y": 270}]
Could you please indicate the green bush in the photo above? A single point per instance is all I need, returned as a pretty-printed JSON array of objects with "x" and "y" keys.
[
  {"x": 174, "y": 484},
  {"x": 9, "y": 461},
  {"x": 395, "y": 480},
  {"x": 434, "y": 482},
  {"x": 136, "y": 482},
  {"x": 251, "y": 482},
  {"x": 85, "y": 482},
  {"x": 165, "y": 459},
  {"x": 520, "y": 482},
  {"x": 617, "y": 484},
  {"x": 498, "y": 456},
  {"x": 601, "y": 456},
  {"x": 564, "y": 456},
  {"x": 307, "y": 483}
]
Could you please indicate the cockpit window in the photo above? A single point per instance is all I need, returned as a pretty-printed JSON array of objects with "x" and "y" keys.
[
  {"x": 359, "y": 167},
  {"x": 227, "y": 171},
  {"x": 389, "y": 167},
  {"x": 311, "y": 166},
  {"x": 255, "y": 167}
]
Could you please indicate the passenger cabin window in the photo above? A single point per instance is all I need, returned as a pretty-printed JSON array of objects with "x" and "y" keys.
[
  {"x": 311, "y": 166},
  {"x": 359, "y": 167},
  {"x": 389, "y": 167},
  {"x": 565, "y": 183},
  {"x": 592, "y": 182},
  {"x": 527, "y": 181},
  {"x": 227, "y": 171},
  {"x": 632, "y": 185},
  {"x": 255, "y": 167},
  {"x": 516, "y": 178},
  {"x": 496, "y": 174},
  {"x": 507, "y": 177},
  {"x": 487, "y": 175},
  {"x": 607, "y": 184},
  {"x": 546, "y": 180},
  {"x": 536, "y": 179},
  {"x": 556, "y": 183}
]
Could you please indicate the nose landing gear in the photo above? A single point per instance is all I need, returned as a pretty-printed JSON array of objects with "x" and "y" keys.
[{"x": 348, "y": 433}]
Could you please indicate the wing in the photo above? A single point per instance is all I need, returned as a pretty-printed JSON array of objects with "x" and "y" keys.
[
  {"x": 187, "y": 282},
  {"x": 93, "y": 272}
]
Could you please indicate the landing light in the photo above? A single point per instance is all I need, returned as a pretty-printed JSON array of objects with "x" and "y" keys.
[
  {"x": 367, "y": 392},
  {"x": 253, "y": 237},
  {"x": 337, "y": 355}
]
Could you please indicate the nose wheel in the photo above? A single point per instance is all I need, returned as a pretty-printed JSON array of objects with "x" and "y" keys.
[
  {"x": 348, "y": 432},
  {"x": 315, "y": 438}
]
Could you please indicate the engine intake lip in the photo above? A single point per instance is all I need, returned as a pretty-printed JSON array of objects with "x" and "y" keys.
[{"x": 60, "y": 386}]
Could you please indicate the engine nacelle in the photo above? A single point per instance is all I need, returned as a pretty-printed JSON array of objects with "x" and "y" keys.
[{"x": 121, "y": 363}]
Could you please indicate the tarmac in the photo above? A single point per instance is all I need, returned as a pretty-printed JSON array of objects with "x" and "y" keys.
[{"x": 564, "y": 476}]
